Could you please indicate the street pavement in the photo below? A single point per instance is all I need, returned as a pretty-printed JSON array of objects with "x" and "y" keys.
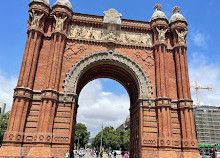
[{"x": 104, "y": 156}]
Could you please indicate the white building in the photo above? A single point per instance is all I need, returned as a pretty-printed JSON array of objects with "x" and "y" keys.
[{"x": 2, "y": 108}]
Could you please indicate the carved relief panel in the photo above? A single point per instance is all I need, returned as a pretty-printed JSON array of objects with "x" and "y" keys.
[{"x": 105, "y": 35}]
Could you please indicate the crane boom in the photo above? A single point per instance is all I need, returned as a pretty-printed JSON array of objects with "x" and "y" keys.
[{"x": 196, "y": 87}]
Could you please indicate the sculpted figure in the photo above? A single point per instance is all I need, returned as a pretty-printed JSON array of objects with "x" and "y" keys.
[
  {"x": 73, "y": 30},
  {"x": 78, "y": 31},
  {"x": 59, "y": 23},
  {"x": 161, "y": 34},
  {"x": 182, "y": 36},
  {"x": 92, "y": 34},
  {"x": 35, "y": 18},
  {"x": 145, "y": 39},
  {"x": 96, "y": 34},
  {"x": 124, "y": 38},
  {"x": 102, "y": 35},
  {"x": 83, "y": 32},
  {"x": 132, "y": 38},
  {"x": 111, "y": 36}
]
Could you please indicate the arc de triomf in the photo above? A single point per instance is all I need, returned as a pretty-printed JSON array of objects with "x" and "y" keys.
[{"x": 65, "y": 50}]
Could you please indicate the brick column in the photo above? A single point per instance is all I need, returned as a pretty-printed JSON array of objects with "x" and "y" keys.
[
  {"x": 51, "y": 93},
  {"x": 74, "y": 109},
  {"x": 23, "y": 91},
  {"x": 163, "y": 102},
  {"x": 183, "y": 88},
  {"x": 52, "y": 82}
]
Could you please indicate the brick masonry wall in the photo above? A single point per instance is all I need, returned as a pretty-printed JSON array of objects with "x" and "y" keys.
[{"x": 42, "y": 124}]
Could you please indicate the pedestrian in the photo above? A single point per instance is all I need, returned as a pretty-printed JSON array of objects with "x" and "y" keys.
[
  {"x": 67, "y": 154},
  {"x": 122, "y": 153},
  {"x": 126, "y": 155},
  {"x": 101, "y": 154},
  {"x": 109, "y": 154},
  {"x": 97, "y": 154},
  {"x": 115, "y": 154}
]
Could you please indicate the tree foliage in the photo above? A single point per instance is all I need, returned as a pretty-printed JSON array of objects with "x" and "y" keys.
[
  {"x": 81, "y": 133},
  {"x": 112, "y": 139},
  {"x": 3, "y": 125},
  {"x": 125, "y": 139}
]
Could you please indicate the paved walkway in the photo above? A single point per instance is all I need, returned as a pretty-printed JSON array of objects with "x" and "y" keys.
[{"x": 104, "y": 156}]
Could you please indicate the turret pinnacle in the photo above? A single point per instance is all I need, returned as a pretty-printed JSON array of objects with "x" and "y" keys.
[
  {"x": 42, "y": 1},
  {"x": 176, "y": 15},
  {"x": 158, "y": 14},
  {"x": 63, "y": 3}
]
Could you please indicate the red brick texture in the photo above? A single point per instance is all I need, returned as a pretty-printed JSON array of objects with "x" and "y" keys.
[{"x": 42, "y": 121}]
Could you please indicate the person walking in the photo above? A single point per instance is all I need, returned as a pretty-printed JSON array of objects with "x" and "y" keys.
[
  {"x": 67, "y": 154},
  {"x": 126, "y": 155},
  {"x": 97, "y": 154},
  {"x": 122, "y": 153},
  {"x": 115, "y": 154},
  {"x": 101, "y": 154},
  {"x": 109, "y": 154}
]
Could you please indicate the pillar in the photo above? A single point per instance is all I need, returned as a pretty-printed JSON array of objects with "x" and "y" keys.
[
  {"x": 23, "y": 92},
  {"x": 185, "y": 103},
  {"x": 163, "y": 101},
  {"x": 50, "y": 95}
]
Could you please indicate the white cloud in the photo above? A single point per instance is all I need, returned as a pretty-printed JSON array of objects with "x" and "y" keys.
[
  {"x": 207, "y": 74},
  {"x": 97, "y": 107},
  {"x": 200, "y": 39},
  {"x": 7, "y": 85}
]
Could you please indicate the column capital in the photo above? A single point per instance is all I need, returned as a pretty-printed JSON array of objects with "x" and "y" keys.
[
  {"x": 163, "y": 102},
  {"x": 23, "y": 92},
  {"x": 61, "y": 15},
  {"x": 50, "y": 94},
  {"x": 185, "y": 103},
  {"x": 38, "y": 13}
]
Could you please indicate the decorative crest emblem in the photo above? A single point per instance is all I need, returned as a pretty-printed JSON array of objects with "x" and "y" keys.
[{"x": 112, "y": 16}]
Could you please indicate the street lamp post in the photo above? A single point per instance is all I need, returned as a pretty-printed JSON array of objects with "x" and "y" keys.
[
  {"x": 101, "y": 137},
  {"x": 78, "y": 140}
]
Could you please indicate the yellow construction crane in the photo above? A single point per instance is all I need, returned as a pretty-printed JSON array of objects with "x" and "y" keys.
[{"x": 196, "y": 87}]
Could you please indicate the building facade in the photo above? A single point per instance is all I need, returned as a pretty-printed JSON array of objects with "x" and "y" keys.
[
  {"x": 125, "y": 126},
  {"x": 207, "y": 120},
  {"x": 65, "y": 50},
  {"x": 2, "y": 108}
]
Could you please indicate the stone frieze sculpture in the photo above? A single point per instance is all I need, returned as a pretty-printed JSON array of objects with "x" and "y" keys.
[
  {"x": 117, "y": 36},
  {"x": 182, "y": 36},
  {"x": 59, "y": 23},
  {"x": 35, "y": 18},
  {"x": 161, "y": 33}
]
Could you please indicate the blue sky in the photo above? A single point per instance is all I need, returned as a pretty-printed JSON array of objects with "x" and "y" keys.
[{"x": 203, "y": 17}]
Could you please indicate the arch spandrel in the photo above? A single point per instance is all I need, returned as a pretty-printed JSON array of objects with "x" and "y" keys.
[{"x": 73, "y": 77}]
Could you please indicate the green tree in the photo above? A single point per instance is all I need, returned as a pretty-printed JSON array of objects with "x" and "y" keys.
[
  {"x": 3, "y": 125},
  {"x": 125, "y": 140},
  {"x": 83, "y": 135},
  {"x": 110, "y": 138}
]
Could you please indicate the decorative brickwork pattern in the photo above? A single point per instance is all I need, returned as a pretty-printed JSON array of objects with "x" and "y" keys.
[{"x": 65, "y": 50}]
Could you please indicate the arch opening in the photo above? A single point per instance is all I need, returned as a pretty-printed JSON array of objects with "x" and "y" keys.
[
  {"x": 109, "y": 65},
  {"x": 111, "y": 70},
  {"x": 115, "y": 66},
  {"x": 101, "y": 104}
]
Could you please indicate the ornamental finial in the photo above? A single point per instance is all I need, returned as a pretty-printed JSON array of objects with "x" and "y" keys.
[
  {"x": 176, "y": 9},
  {"x": 158, "y": 7}
]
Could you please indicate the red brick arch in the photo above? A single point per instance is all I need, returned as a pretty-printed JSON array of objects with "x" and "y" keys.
[
  {"x": 148, "y": 58},
  {"x": 111, "y": 65}
]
